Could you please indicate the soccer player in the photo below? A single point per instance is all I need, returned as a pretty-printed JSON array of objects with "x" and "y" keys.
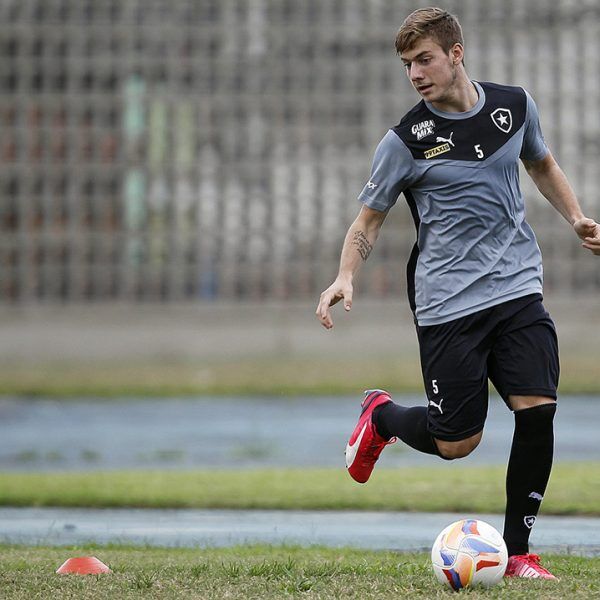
[{"x": 474, "y": 275}]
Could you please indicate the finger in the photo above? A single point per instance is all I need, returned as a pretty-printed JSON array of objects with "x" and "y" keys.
[
  {"x": 592, "y": 239},
  {"x": 322, "y": 312},
  {"x": 328, "y": 298},
  {"x": 323, "y": 304},
  {"x": 325, "y": 318},
  {"x": 348, "y": 301},
  {"x": 595, "y": 250}
]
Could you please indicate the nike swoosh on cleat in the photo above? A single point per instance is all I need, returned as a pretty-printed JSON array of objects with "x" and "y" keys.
[{"x": 351, "y": 450}]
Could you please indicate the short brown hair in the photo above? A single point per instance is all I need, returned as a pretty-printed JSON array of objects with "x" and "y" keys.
[{"x": 435, "y": 23}]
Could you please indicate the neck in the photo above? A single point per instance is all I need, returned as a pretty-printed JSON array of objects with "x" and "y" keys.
[{"x": 461, "y": 96}]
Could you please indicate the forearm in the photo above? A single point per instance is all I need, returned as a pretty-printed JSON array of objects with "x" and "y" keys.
[
  {"x": 555, "y": 187},
  {"x": 358, "y": 243},
  {"x": 553, "y": 184}
]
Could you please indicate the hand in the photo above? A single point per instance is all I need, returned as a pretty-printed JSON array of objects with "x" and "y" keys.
[
  {"x": 338, "y": 290},
  {"x": 589, "y": 231}
]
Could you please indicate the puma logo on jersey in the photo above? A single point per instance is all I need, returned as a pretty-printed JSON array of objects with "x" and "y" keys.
[
  {"x": 536, "y": 496},
  {"x": 371, "y": 185},
  {"x": 439, "y": 138},
  {"x": 438, "y": 405}
]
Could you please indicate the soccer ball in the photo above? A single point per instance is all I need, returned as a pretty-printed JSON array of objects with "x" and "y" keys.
[{"x": 469, "y": 552}]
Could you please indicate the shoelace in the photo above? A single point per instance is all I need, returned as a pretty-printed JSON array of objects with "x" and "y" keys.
[
  {"x": 534, "y": 560},
  {"x": 373, "y": 451}
]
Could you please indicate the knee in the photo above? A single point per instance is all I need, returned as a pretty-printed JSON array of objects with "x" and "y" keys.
[
  {"x": 458, "y": 449},
  {"x": 519, "y": 403}
]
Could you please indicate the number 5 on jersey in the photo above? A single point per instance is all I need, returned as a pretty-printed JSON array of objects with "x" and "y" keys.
[{"x": 478, "y": 151}]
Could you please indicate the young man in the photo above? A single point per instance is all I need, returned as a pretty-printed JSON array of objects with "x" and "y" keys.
[{"x": 475, "y": 273}]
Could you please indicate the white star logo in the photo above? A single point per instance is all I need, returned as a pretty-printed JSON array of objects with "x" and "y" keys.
[{"x": 502, "y": 118}]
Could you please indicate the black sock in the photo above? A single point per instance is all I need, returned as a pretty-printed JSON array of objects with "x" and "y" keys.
[
  {"x": 408, "y": 424},
  {"x": 528, "y": 472}
]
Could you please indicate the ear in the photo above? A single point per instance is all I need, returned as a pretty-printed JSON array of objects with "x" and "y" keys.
[{"x": 457, "y": 53}]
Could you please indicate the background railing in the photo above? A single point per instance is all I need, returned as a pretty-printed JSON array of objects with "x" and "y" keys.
[{"x": 179, "y": 150}]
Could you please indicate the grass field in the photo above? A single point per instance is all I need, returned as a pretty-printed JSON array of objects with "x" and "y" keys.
[
  {"x": 266, "y": 376},
  {"x": 272, "y": 376},
  {"x": 28, "y": 573},
  {"x": 574, "y": 489}
]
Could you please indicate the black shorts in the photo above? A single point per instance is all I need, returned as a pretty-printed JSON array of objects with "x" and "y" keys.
[{"x": 513, "y": 344}]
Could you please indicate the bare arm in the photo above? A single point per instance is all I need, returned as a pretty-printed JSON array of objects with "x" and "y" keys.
[
  {"x": 359, "y": 241},
  {"x": 553, "y": 184}
]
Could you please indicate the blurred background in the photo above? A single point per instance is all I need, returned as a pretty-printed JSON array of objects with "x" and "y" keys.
[{"x": 177, "y": 179}]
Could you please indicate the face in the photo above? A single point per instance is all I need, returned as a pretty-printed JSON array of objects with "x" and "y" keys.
[{"x": 431, "y": 71}]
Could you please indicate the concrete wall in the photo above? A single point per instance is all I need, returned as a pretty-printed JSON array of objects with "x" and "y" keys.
[{"x": 30, "y": 335}]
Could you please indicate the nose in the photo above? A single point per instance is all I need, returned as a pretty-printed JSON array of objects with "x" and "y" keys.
[{"x": 414, "y": 72}]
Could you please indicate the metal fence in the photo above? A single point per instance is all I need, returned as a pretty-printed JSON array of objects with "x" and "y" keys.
[{"x": 199, "y": 150}]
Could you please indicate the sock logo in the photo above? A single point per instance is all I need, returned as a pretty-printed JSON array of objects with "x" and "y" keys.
[
  {"x": 529, "y": 521},
  {"x": 536, "y": 496}
]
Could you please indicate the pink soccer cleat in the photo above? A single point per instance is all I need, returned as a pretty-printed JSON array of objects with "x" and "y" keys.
[
  {"x": 365, "y": 444},
  {"x": 528, "y": 566}
]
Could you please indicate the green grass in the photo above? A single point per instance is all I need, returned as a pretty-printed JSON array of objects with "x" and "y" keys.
[
  {"x": 574, "y": 489},
  {"x": 263, "y": 572},
  {"x": 271, "y": 376},
  {"x": 274, "y": 376}
]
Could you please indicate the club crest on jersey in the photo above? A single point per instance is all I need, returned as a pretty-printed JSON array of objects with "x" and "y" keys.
[
  {"x": 423, "y": 129},
  {"x": 502, "y": 118}
]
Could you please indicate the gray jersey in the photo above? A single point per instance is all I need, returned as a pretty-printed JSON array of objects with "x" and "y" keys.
[{"x": 459, "y": 173}]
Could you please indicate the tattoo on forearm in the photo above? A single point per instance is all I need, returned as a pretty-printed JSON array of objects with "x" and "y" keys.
[{"x": 362, "y": 244}]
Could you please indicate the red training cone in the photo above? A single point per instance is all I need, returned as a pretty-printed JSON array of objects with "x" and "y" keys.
[{"x": 83, "y": 565}]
